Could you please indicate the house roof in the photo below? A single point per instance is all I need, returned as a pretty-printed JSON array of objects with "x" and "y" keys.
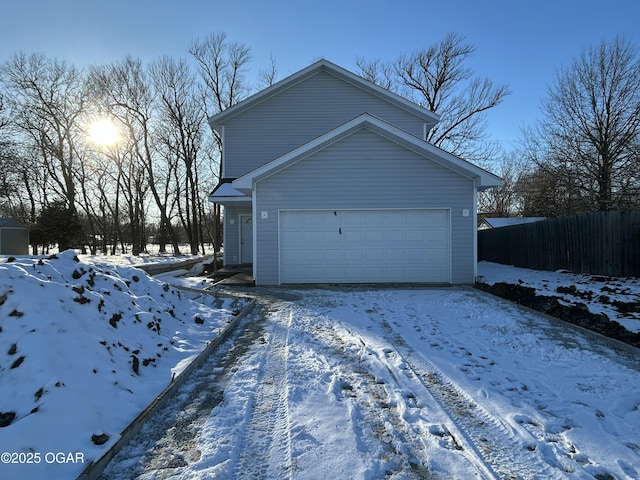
[
  {"x": 497, "y": 222},
  {"x": 11, "y": 223},
  {"x": 323, "y": 65},
  {"x": 224, "y": 192},
  {"x": 481, "y": 177}
]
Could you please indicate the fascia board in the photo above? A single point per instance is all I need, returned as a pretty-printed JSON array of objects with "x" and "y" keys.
[{"x": 225, "y": 200}]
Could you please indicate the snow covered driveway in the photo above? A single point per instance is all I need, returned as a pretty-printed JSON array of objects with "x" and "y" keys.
[{"x": 358, "y": 383}]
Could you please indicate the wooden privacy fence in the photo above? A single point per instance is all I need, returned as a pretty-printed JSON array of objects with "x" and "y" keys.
[{"x": 604, "y": 243}]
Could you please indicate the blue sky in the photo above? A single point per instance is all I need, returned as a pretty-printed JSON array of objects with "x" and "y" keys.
[{"x": 518, "y": 43}]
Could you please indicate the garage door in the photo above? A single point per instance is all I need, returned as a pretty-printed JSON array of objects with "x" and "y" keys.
[{"x": 364, "y": 246}]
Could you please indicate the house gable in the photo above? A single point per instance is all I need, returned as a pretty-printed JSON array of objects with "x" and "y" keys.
[
  {"x": 482, "y": 179},
  {"x": 302, "y": 107},
  {"x": 323, "y": 66},
  {"x": 364, "y": 171}
]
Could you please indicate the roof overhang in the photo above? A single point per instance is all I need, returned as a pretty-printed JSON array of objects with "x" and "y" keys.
[
  {"x": 226, "y": 193},
  {"x": 482, "y": 179}
]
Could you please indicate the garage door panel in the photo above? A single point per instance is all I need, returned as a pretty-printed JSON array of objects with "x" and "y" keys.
[
  {"x": 333, "y": 254},
  {"x": 373, "y": 272},
  {"x": 394, "y": 220},
  {"x": 417, "y": 271},
  {"x": 373, "y": 254},
  {"x": 394, "y": 254},
  {"x": 351, "y": 235},
  {"x": 354, "y": 253},
  {"x": 296, "y": 256},
  {"x": 353, "y": 274},
  {"x": 417, "y": 216},
  {"x": 416, "y": 235},
  {"x": 394, "y": 236},
  {"x": 416, "y": 254},
  {"x": 355, "y": 218},
  {"x": 373, "y": 236},
  {"x": 394, "y": 271},
  {"x": 437, "y": 235},
  {"x": 364, "y": 246}
]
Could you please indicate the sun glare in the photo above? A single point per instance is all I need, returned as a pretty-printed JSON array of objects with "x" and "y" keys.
[{"x": 104, "y": 132}]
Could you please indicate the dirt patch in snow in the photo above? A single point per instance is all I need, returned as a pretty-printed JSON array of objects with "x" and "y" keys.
[{"x": 576, "y": 313}]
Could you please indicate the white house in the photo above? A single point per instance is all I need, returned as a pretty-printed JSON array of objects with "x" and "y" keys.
[{"x": 329, "y": 178}]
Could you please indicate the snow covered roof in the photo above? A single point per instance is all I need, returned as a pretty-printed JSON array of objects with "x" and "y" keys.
[
  {"x": 225, "y": 192},
  {"x": 507, "y": 222}
]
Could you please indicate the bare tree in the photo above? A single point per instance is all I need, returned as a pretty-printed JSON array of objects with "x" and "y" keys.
[
  {"x": 4, "y": 116},
  {"x": 268, "y": 76},
  {"x": 30, "y": 183},
  {"x": 127, "y": 93},
  {"x": 222, "y": 67},
  {"x": 543, "y": 194},
  {"x": 128, "y": 196},
  {"x": 438, "y": 78},
  {"x": 588, "y": 138},
  {"x": 9, "y": 181},
  {"x": 180, "y": 134},
  {"x": 379, "y": 72},
  {"x": 8, "y": 165},
  {"x": 47, "y": 98},
  {"x": 503, "y": 201}
]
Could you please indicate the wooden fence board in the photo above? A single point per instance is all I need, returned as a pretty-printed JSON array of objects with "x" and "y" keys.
[{"x": 604, "y": 243}]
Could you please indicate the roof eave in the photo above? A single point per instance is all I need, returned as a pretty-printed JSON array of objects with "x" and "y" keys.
[
  {"x": 485, "y": 182},
  {"x": 225, "y": 192},
  {"x": 225, "y": 200}
]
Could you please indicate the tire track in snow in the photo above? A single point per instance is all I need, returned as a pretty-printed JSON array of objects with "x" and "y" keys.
[
  {"x": 397, "y": 435},
  {"x": 389, "y": 415},
  {"x": 266, "y": 445},
  {"x": 378, "y": 409},
  {"x": 493, "y": 442}
]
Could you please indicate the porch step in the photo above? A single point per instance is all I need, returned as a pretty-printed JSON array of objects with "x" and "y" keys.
[
  {"x": 239, "y": 279},
  {"x": 234, "y": 275}
]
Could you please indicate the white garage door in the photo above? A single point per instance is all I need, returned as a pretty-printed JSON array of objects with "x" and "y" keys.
[{"x": 364, "y": 246}]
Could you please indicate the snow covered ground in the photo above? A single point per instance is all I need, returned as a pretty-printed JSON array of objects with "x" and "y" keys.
[
  {"x": 84, "y": 347},
  {"x": 345, "y": 383},
  {"x": 368, "y": 383},
  {"x": 618, "y": 298}
]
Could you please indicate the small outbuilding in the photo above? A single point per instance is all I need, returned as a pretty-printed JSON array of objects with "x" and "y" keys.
[{"x": 14, "y": 237}]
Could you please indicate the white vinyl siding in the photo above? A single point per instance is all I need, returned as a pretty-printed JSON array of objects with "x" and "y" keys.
[
  {"x": 300, "y": 114},
  {"x": 365, "y": 171}
]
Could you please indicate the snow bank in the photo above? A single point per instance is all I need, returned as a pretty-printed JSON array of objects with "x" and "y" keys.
[{"x": 83, "y": 349}]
